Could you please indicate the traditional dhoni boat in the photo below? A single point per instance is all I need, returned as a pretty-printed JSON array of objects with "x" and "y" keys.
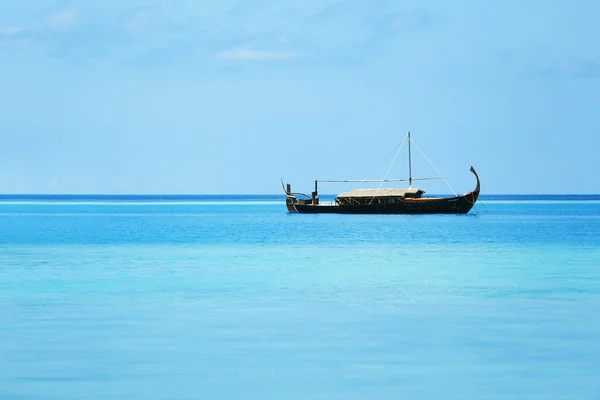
[{"x": 383, "y": 200}]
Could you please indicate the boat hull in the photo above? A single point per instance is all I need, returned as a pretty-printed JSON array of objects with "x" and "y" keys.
[
  {"x": 447, "y": 205},
  {"x": 452, "y": 205}
]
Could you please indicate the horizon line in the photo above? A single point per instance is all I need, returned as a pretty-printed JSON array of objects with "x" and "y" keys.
[{"x": 259, "y": 194}]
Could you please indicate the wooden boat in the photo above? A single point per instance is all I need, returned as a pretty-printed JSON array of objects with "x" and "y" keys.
[{"x": 383, "y": 201}]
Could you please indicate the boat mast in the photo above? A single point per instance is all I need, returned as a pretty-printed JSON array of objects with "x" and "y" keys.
[{"x": 409, "y": 164}]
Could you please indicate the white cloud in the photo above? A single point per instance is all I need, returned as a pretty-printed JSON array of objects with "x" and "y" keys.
[
  {"x": 140, "y": 22},
  {"x": 15, "y": 36},
  {"x": 253, "y": 31},
  {"x": 11, "y": 31},
  {"x": 62, "y": 19},
  {"x": 249, "y": 54},
  {"x": 570, "y": 66},
  {"x": 418, "y": 18}
]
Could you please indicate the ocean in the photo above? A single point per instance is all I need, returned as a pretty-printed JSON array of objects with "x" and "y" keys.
[{"x": 231, "y": 297}]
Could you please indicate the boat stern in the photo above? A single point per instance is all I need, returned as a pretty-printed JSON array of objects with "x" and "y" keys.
[
  {"x": 290, "y": 203},
  {"x": 290, "y": 199}
]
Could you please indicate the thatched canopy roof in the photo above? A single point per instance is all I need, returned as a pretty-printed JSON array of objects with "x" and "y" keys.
[{"x": 381, "y": 193}]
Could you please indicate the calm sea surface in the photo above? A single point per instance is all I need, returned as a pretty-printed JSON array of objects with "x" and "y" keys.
[{"x": 233, "y": 298}]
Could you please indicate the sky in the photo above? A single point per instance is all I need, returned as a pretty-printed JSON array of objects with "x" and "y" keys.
[{"x": 198, "y": 97}]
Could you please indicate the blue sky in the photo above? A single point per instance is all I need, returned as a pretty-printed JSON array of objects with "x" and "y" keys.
[{"x": 102, "y": 96}]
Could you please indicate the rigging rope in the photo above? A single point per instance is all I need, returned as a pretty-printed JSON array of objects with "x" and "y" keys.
[
  {"x": 399, "y": 147},
  {"x": 392, "y": 152},
  {"x": 413, "y": 142}
]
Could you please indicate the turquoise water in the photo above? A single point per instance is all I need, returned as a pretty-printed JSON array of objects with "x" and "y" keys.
[{"x": 236, "y": 299}]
